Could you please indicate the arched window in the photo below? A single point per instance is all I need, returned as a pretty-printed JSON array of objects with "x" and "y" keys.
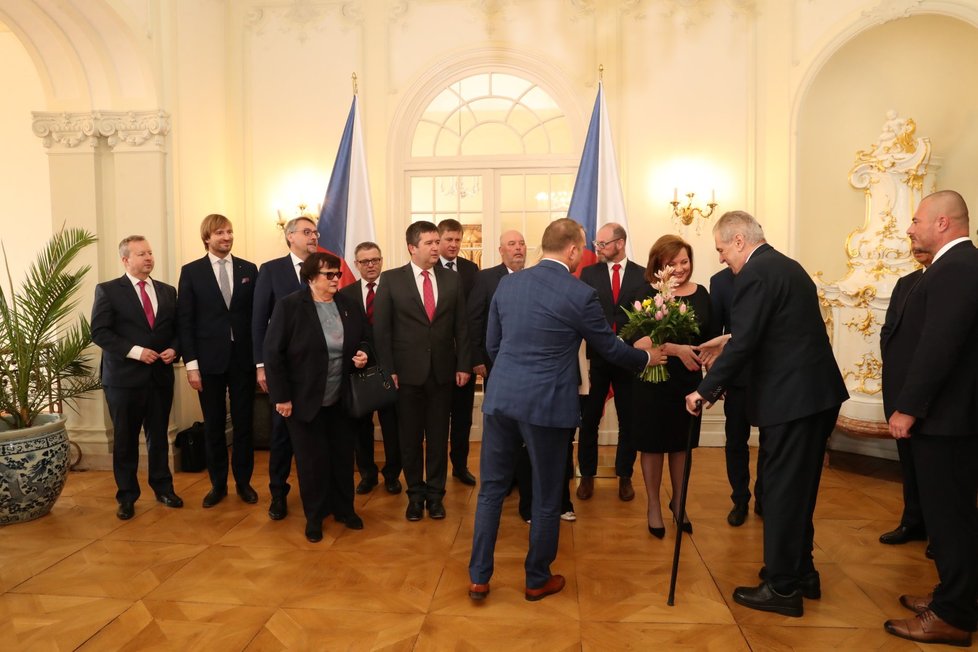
[{"x": 494, "y": 151}]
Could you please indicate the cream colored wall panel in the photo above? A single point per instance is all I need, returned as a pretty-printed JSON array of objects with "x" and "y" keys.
[{"x": 914, "y": 65}]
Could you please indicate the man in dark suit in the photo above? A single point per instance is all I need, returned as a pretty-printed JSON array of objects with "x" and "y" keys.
[
  {"x": 421, "y": 333},
  {"x": 615, "y": 278},
  {"x": 736, "y": 424},
  {"x": 363, "y": 293},
  {"x": 449, "y": 244},
  {"x": 134, "y": 323},
  {"x": 536, "y": 322},
  {"x": 911, "y": 527},
  {"x": 278, "y": 278},
  {"x": 932, "y": 371},
  {"x": 214, "y": 309},
  {"x": 795, "y": 391}
]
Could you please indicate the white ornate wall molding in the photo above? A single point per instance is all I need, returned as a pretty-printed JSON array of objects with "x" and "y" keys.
[
  {"x": 887, "y": 10},
  {"x": 691, "y": 13},
  {"x": 304, "y": 18},
  {"x": 894, "y": 173},
  {"x": 120, "y": 129}
]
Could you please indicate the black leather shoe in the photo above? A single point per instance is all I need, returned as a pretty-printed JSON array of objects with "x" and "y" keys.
[
  {"x": 279, "y": 509},
  {"x": 436, "y": 509},
  {"x": 903, "y": 534},
  {"x": 214, "y": 496},
  {"x": 125, "y": 511},
  {"x": 929, "y": 551},
  {"x": 657, "y": 532},
  {"x": 737, "y": 515},
  {"x": 247, "y": 493},
  {"x": 764, "y": 598},
  {"x": 810, "y": 583},
  {"x": 353, "y": 521},
  {"x": 393, "y": 486},
  {"x": 687, "y": 525},
  {"x": 464, "y": 476},
  {"x": 366, "y": 485},
  {"x": 314, "y": 532},
  {"x": 170, "y": 499},
  {"x": 415, "y": 511}
]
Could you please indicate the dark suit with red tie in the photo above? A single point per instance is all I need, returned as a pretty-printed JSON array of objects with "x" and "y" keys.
[
  {"x": 218, "y": 338},
  {"x": 139, "y": 395}
]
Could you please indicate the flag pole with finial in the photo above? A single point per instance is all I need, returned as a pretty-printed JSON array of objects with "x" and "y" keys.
[{"x": 354, "y": 79}]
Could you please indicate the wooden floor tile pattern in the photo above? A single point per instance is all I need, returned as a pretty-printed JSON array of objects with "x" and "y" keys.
[{"x": 228, "y": 578}]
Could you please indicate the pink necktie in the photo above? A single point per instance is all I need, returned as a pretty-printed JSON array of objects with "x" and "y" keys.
[
  {"x": 428, "y": 292},
  {"x": 147, "y": 304},
  {"x": 615, "y": 288}
]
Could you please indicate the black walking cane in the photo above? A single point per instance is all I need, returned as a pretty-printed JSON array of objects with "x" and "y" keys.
[{"x": 694, "y": 426}]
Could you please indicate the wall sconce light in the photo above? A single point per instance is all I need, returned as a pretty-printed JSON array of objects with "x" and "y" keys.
[
  {"x": 685, "y": 215},
  {"x": 283, "y": 220}
]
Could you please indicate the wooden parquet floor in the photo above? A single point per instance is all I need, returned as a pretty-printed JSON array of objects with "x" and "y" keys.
[{"x": 228, "y": 578}]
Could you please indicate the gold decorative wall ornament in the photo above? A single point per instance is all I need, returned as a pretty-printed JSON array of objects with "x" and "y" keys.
[{"x": 891, "y": 173}]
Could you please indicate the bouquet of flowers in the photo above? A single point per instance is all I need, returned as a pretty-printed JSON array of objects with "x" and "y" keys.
[{"x": 664, "y": 318}]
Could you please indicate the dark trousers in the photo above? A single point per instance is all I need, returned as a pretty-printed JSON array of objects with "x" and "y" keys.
[
  {"x": 737, "y": 450},
  {"x": 547, "y": 448},
  {"x": 913, "y": 514},
  {"x": 463, "y": 398},
  {"x": 131, "y": 409},
  {"x": 324, "y": 462},
  {"x": 364, "y": 453},
  {"x": 947, "y": 472},
  {"x": 792, "y": 471},
  {"x": 603, "y": 376},
  {"x": 238, "y": 384},
  {"x": 279, "y": 457},
  {"x": 524, "y": 480},
  {"x": 422, "y": 423}
]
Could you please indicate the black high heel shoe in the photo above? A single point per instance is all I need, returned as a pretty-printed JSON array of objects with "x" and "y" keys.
[
  {"x": 687, "y": 526},
  {"x": 657, "y": 532}
]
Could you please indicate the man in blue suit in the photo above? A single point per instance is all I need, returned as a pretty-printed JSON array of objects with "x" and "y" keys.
[
  {"x": 276, "y": 279},
  {"x": 536, "y": 322}
]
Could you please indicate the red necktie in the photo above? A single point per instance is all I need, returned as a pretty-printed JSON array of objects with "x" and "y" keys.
[
  {"x": 147, "y": 304},
  {"x": 370, "y": 302},
  {"x": 428, "y": 292},
  {"x": 615, "y": 288}
]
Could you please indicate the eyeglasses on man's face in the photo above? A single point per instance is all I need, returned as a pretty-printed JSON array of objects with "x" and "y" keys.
[
  {"x": 367, "y": 262},
  {"x": 331, "y": 275},
  {"x": 307, "y": 232},
  {"x": 601, "y": 244}
]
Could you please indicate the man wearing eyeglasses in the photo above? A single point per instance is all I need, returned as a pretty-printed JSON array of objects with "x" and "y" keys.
[
  {"x": 370, "y": 263},
  {"x": 276, "y": 279},
  {"x": 615, "y": 278}
]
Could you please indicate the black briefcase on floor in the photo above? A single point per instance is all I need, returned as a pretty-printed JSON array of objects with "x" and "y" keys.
[{"x": 193, "y": 452}]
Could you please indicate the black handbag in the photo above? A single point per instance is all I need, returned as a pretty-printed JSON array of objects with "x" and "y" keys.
[{"x": 371, "y": 388}]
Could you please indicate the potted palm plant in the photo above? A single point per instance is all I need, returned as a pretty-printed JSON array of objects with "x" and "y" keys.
[{"x": 43, "y": 367}]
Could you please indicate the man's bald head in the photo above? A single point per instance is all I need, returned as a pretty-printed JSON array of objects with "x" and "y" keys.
[{"x": 940, "y": 218}]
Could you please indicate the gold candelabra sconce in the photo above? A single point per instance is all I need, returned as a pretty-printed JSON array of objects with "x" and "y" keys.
[
  {"x": 283, "y": 220},
  {"x": 689, "y": 213}
]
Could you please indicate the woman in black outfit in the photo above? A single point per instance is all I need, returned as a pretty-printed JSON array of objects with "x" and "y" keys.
[
  {"x": 660, "y": 422},
  {"x": 312, "y": 344}
]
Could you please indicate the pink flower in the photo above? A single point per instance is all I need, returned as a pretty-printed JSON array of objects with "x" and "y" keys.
[
  {"x": 682, "y": 308},
  {"x": 659, "y": 315},
  {"x": 638, "y": 306},
  {"x": 658, "y": 301}
]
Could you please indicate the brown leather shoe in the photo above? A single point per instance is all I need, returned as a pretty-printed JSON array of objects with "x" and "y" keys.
[
  {"x": 917, "y": 603},
  {"x": 586, "y": 489},
  {"x": 554, "y": 585},
  {"x": 927, "y": 627},
  {"x": 479, "y": 591},
  {"x": 625, "y": 490}
]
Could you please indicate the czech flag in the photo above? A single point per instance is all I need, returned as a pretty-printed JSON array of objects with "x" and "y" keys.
[
  {"x": 597, "y": 198},
  {"x": 347, "y": 216}
]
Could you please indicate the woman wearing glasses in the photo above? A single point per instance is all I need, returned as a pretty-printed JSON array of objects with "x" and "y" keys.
[{"x": 307, "y": 370}]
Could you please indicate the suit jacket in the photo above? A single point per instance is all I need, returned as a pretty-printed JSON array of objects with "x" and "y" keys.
[
  {"x": 930, "y": 359},
  {"x": 206, "y": 324},
  {"x": 478, "y": 306},
  {"x": 354, "y": 296},
  {"x": 119, "y": 323},
  {"x": 296, "y": 356},
  {"x": 276, "y": 279},
  {"x": 777, "y": 328},
  {"x": 467, "y": 271},
  {"x": 536, "y": 322},
  {"x": 721, "y": 300},
  {"x": 410, "y": 345},
  {"x": 632, "y": 281}
]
